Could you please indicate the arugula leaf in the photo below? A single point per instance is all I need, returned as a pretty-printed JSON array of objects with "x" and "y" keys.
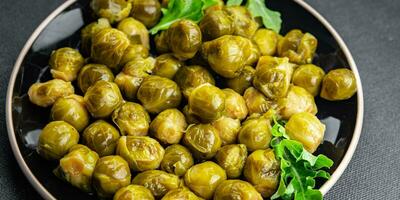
[
  {"x": 234, "y": 2},
  {"x": 271, "y": 19}
]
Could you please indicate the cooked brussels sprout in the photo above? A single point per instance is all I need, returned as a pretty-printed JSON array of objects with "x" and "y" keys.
[
  {"x": 207, "y": 102},
  {"x": 177, "y": 160},
  {"x": 142, "y": 152},
  {"x": 131, "y": 119},
  {"x": 297, "y": 46},
  {"x": 235, "y": 105},
  {"x": 134, "y": 51},
  {"x": 243, "y": 23},
  {"x": 266, "y": 40},
  {"x": 262, "y": 171},
  {"x": 190, "y": 77},
  {"x": 158, "y": 182},
  {"x": 190, "y": 118},
  {"x": 167, "y": 66},
  {"x": 228, "y": 129},
  {"x": 203, "y": 140},
  {"x": 236, "y": 189},
  {"x": 113, "y": 10},
  {"x": 307, "y": 129},
  {"x": 133, "y": 192},
  {"x": 110, "y": 174},
  {"x": 297, "y": 100},
  {"x": 45, "y": 94},
  {"x": 88, "y": 31},
  {"x": 255, "y": 133},
  {"x": 101, "y": 137},
  {"x": 339, "y": 84},
  {"x": 102, "y": 99},
  {"x": 232, "y": 158},
  {"x": 135, "y": 30},
  {"x": 77, "y": 167},
  {"x": 256, "y": 102},
  {"x": 204, "y": 178},
  {"x": 146, "y": 11},
  {"x": 72, "y": 110},
  {"x": 91, "y": 73},
  {"x": 157, "y": 94},
  {"x": 308, "y": 77},
  {"x": 254, "y": 54},
  {"x": 161, "y": 42},
  {"x": 169, "y": 126},
  {"x": 181, "y": 193},
  {"x": 56, "y": 139},
  {"x": 65, "y": 63},
  {"x": 240, "y": 83},
  {"x": 216, "y": 24}
]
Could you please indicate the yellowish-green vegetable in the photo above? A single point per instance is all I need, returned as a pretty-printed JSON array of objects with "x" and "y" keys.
[
  {"x": 339, "y": 84},
  {"x": 232, "y": 159},
  {"x": 167, "y": 66},
  {"x": 169, "y": 126},
  {"x": 89, "y": 30},
  {"x": 309, "y": 77},
  {"x": 101, "y": 137},
  {"x": 113, "y": 10},
  {"x": 71, "y": 109},
  {"x": 181, "y": 193},
  {"x": 133, "y": 192},
  {"x": 146, "y": 11},
  {"x": 177, "y": 160},
  {"x": 203, "y": 140},
  {"x": 255, "y": 133},
  {"x": 65, "y": 63},
  {"x": 135, "y": 30},
  {"x": 235, "y": 105},
  {"x": 190, "y": 77},
  {"x": 45, "y": 94},
  {"x": 228, "y": 129},
  {"x": 131, "y": 119},
  {"x": 158, "y": 182},
  {"x": 207, "y": 102},
  {"x": 245, "y": 80},
  {"x": 297, "y": 100},
  {"x": 256, "y": 102},
  {"x": 267, "y": 41},
  {"x": 91, "y": 73},
  {"x": 236, "y": 189},
  {"x": 299, "y": 47}
]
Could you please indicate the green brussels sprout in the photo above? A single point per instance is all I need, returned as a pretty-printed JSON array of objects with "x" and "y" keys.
[
  {"x": 228, "y": 129},
  {"x": 158, "y": 182},
  {"x": 131, "y": 119},
  {"x": 262, "y": 171},
  {"x": 132, "y": 75},
  {"x": 240, "y": 83},
  {"x": 169, "y": 126},
  {"x": 72, "y": 110},
  {"x": 181, "y": 193},
  {"x": 177, "y": 160},
  {"x": 235, "y": 105},
  {"x": 56, "y": 139},
  {"x": 309, "y": 77},
  {"x": 133, "y": 192},
  {"x": 190, "y": 118},
  {"x": 146, "y": 11},
  {"x": 113, "y": 10},
  {"x": 232, "y": 158},
  {"x": 207, "y": 102},
  {"x": 167, "y": 66},
  {"x": 236, "y": 189},
  {"x": 142, "y": 152},
  {"x": 298, "y": 47},
  {"x": 273, "y": 76},
  {"x": 88, "y": 31},
  {"x": 190, "y": 77},
  {"x": 101, "y": 137},
  {"x": 216, "y": 24},
  {"x": 157, "y": 94},
  {"x": 266, "y": 41},
  {"x": 91, "y": 73},
  {"x": 45, "y": 94},
  {"x": 161, "y": 42},
  {"x": 339, "y": 84},
  {"x": 297, "y": 100},
  {"x": 134, "y": 51},
  {"x": 102, "y": 99},
  {"x": 65, "y": 63},
  {"x": 254, "y": 54},
  {"x": 204, "y": 178},
  {"x": 243, "y": 23},
  {"x": 256, "y": 102},
  {"x": 307, "y": 129},
  {"x": 110, "y": 174},
  {"x": 203, "y": 140},
  {"x": 77, "y": 167},
  {"x": 255, "y": 133},
  {"x": 135, "y": 30}
]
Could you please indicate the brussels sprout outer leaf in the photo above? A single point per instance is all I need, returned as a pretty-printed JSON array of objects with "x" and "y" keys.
[{"x": 271, "y": 19}]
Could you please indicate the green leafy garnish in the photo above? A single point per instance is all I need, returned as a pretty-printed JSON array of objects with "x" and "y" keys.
[{"x": 234, "y": 2}]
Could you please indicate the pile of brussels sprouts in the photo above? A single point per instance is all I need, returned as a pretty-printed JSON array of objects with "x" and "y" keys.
[{"x": 190, "y": 122}]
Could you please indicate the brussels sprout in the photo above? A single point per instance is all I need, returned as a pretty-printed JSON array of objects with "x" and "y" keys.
[
  {"x": 167, "y": 66},
  {"x": 142, "y": 152},
  {"x": 216, "y": 24},
  {"x": 56, "y": 139},
  {"x": 88, "y": 31},
  {"x": 134, "y": 51},
  {"x": 181, "y": 193},
  {"x": 339, "y": 84},
  {"x": 65, "y": 63},
  {"x": 101, "y": 137},
  {"x": 236, "y": 189},
  {"x": 110, "y": 174},
  {"x": 235, "y": 105},
  {"x": 298, "y": 47},
  {"x": 136, "y": 31},
  {"x": 204, "y": 178},
  {"x": 91, "y": 73},
  {"x": 273, "y": 76},
  {"x": 131, "y": 119},
  {"x": 77, "y": 167},
  {"x": 207, "y": 102},
  {"x": 169, "y": 126},
  {"x": 240, "y": 83},
  {"x": 113, "y": 10},
  {"x": 161, "y": 42},
  {"x": 177, "y": 160},
  {"x": 72, "y": 110},
  {"x": 102, "y": 99},
  {"x": 203, "y": 140},
  {"x": 308, "y": 77},
  {"x": 190, "y": 118},
  {"x": 297, "y": 100},
  {"x": 243, "y": 23},
  {"x": 262, "y": 171},
  {"x": 190, "y": 77},
  {"x": 45, "y": 94},
  {"x": 307, "y": 129},
  {"x": 133, "y": 192},
  {"x": 256, "y": 102},
  {"x": 146, "y": 11},
  {"x": 158, "y": 182},
  {"x": 228, "y": 129},
  {"x": 254, "y": 54},
  {"x": 266, "y": 40},
  {"x": 232, "y": 158},
  {"x": 255, "y": 133}
]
